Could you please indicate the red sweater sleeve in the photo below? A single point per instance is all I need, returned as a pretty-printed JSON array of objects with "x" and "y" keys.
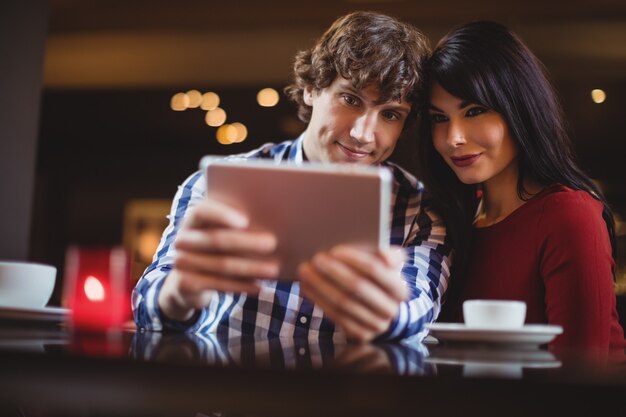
[{"x": 576, "y": 266}]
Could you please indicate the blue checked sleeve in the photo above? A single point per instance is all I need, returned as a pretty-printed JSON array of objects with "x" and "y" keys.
[
  {"x": 427, "y": 269},
  {"x": 145, "y": 294}
]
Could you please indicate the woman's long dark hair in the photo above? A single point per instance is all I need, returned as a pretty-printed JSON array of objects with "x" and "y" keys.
[{"x": 487, "y": 64}]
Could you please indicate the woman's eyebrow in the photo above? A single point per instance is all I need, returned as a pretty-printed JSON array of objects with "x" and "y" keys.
[{"x": 433, "y": 107}]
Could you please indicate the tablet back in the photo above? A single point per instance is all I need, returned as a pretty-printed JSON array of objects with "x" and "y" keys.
[{"x": 309, "y": 207}]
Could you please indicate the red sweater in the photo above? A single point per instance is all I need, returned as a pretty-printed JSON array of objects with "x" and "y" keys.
[{"x": 553, "y": 253}]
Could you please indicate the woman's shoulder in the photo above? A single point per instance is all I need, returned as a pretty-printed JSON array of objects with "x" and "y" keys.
[
  {"x": 563, "y": 207},
  {"x": 565, "y": 199}
]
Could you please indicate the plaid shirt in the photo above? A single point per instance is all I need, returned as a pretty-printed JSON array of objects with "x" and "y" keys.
[{"x": 279, "y": 309}]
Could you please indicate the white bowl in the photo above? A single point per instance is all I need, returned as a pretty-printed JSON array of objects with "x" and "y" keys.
[
  {"x": 26, "y": 285},
  {"x": 494, "y": 314}
]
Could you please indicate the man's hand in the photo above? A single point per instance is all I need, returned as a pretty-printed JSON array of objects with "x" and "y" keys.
[
  {"x": 215, "y": 250},
  {"x": 359, "y": 289},
  {"x": 363, "y": 358}
]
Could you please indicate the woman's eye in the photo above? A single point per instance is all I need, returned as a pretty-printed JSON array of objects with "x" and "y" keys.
[
  {"x": 437, "y": 118},
  {"x": 475, "y": 111}
]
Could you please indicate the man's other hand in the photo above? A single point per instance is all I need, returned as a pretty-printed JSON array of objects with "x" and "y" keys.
[{"x": 359, "y": 289}]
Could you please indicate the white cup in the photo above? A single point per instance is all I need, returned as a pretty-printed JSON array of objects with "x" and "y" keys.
[
  {"x": 26, "y": 285},
  {"x": 494, "y": 314}
]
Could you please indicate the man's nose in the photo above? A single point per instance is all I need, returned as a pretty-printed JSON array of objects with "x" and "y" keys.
[{"x": 364, "y": 128}]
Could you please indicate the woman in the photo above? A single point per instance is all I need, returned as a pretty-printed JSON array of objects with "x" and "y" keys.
[{"x": 526, "y": 222}]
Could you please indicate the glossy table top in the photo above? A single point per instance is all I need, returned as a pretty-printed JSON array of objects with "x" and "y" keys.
[{"x": 148, "y": 373}]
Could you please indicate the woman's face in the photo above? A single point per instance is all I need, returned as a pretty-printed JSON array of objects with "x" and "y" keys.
[{"x": 472, "y": 139}]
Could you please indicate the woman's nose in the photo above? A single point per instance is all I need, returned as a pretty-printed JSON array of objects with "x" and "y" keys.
[{"x": 456, "y": 134}]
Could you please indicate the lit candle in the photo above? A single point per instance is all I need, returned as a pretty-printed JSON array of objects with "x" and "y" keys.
[{"x": 96, "y": 287}]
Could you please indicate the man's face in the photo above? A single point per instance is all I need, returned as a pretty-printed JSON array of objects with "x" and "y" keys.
[{"x": 350, "y": 125}]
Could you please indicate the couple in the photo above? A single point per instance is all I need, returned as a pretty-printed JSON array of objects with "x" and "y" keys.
[{"x": 524, "y": 221}]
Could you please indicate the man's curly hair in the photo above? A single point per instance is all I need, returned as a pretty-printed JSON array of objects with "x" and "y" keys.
[{"x": 365, "y": 48}]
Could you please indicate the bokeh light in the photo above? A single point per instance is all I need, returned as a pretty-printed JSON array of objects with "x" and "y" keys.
[
  {"x": 242, "y": 131},
  {"x": 215, "y": 117},
  {"x": 210, "y": 101},
  {"x": 267, "y": 97},
  {"x": 195, "y": 98},
  {"x": 598, "y": 96},
  {"x": 226, "y": 134},
  {"x": 179, "y": 102}
]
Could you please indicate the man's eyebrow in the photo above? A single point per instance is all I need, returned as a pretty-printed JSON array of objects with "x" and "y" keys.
[
  {"x": 352, "y": 89},
  {"x": 392, "y": 104}
]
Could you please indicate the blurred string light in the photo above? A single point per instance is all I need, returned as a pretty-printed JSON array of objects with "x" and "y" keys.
[
  {"x": 231, "y": 133},
  {"x": 226, "y": 134},
  {"x": 179, "y": 102},
  {"x": 267, "y": 97},
  {"x": 598, "y": 96},
  {"x": 210, "y": 101},
  {"x": 195, "y": 98},
  {"x": 215, "y": 117},
  {"x": 242, "y": 131}
]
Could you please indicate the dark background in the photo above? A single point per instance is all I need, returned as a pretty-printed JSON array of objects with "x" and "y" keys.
[{"x": 107, "y": 134}]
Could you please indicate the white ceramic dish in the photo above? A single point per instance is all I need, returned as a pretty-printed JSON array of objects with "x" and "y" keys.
[
  {"x": 47, "y": 314},
  {"x": 529, "y": 335},
  {"x": 494, "y": 314},
  {"x": 26, "y": 284},
  {"x": 464, "y": 355}
]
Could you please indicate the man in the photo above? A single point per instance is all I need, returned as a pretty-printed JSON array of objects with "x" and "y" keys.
[{"x": 357, "y": 89}]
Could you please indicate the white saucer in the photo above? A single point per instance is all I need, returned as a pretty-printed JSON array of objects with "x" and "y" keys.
[
  {"x": 531, "y": 335},
  {"x": 49, "y": 314},
  {"x": 491, "y": 356}
]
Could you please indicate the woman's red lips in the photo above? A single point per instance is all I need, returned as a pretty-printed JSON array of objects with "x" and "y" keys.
[{"x": 464, "y": 160}]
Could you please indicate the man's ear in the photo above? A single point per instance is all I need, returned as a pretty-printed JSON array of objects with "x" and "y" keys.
[{"x": 307, "y": 95}]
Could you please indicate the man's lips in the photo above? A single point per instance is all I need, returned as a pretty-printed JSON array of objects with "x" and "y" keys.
[
  {"x": 353, "y": 153},
  {"x": 465, "y": 160}
]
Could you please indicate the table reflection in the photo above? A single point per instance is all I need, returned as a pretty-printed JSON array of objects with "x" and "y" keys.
[
  {"x": 180, "y": 374},
  {"x": 282, "y": 353},
  {"x": 508, "y": 362}
]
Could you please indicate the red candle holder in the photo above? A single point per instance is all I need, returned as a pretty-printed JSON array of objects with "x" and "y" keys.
[{"x": 96, "y": 287}]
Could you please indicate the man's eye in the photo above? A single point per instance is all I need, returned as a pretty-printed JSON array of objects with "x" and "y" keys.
[
  {"x": 350, "y": 100},
  {"x": 437, "y": 118},
  {"x": 475, "y": 111},
  {"x": 391, "y": 116}
]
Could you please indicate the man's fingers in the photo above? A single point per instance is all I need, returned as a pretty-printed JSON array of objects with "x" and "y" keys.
[
  {"x": 340, "y": 306},
  {"x": 226, "y": 241},
  {"x": 210, "y": 212},
  {"x": 193, "y": 285},
  {"x": 230, "y": 266},
  {"x": 363, "y": 358},
  {"x": 355, "y": 286},
  {"x": 373, "y": 267}
]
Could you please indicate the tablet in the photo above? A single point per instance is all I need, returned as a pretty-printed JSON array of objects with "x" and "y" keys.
[{"x": 309, "y": 207}]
